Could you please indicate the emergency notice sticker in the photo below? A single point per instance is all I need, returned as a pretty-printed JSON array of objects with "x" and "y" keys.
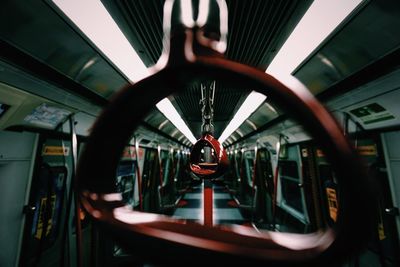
[{"x": 332, "y": 203}]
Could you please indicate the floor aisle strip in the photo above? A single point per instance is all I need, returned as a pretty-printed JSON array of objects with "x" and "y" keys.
[{"x": 222, "y": 212}]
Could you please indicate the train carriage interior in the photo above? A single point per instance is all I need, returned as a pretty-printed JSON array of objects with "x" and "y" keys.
[{"x": 193, "y": 132}]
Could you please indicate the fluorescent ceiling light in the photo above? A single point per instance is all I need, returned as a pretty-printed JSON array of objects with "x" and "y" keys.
[
  {"x": 252, "y": 102},
  {"x": 91, "y": 17},
  {"x": 318, "y": 22},
  {"x": 169, "y": 111}
]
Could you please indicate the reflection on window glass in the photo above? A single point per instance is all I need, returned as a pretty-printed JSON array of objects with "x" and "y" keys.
[
  {"x": 125, "y": 181},
  {"x": 288, "y": 168},
  {"x": 290, "y": 184},
  {"x": 249, "y": 170},
  {"x": 291, "y": 194}
]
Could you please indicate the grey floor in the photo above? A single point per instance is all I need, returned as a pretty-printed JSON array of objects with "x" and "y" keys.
[{"x": 223, "y": 213}]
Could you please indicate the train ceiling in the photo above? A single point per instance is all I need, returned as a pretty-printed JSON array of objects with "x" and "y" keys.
[
  {"x": 42, "y": 52},
  {"x": 256, "y": 31}
]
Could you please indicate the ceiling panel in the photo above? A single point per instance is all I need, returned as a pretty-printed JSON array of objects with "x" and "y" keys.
[
  {"x": 357, "y": 44},
  {"x": 33, "y": 28}
]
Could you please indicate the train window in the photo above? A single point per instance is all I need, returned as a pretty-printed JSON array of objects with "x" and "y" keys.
[
  {"x": 126, "y": 181},
  {"x": 249, "y": 169},
  {"x": 291, "y": 194},
  {"x": 289, "y": 170},
  {"x": 237, "y": 160}
]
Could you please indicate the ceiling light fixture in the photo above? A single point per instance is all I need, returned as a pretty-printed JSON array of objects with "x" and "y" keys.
[
  {"x": 252, "y": 102},
  {"x": 92, "y": 18},
  {"x": 169, "y": 111}
]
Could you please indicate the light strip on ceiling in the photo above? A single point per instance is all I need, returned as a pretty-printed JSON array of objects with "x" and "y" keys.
[
  {"x": 92, "y": 18},
  {"x": 169, "y": 111},
  {"x": 252, "y": 102},
  {"x": 320, "y": 20}
]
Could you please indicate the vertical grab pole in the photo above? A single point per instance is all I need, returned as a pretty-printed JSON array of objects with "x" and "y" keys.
[
  {"x": 74, "y": 145},
  {"x": 208, "y": 202},
  {"x": 274, "y": 199},
  {"x": 139, "y": 177}
]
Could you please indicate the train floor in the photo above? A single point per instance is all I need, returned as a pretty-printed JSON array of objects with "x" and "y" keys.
[{"x": 225, "y": 210}]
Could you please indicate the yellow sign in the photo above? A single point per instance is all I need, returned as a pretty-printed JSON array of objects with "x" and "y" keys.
[
  {"x": 55, "y": 151},
  {"x": 369, "y": 150},
  {"x": 39, "y": 228},
  {"x": 381, "y": 231},
  {"x": 332, "y": 203}
]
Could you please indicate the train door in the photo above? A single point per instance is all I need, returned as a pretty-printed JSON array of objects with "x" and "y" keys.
[
  {"x": 384, "y": 249},
  {"x": 328, "y": 188},
  {"x": 128, "y": 185},
  {"x": 229, "y": 176},
  {"x": 247, "y": 191},
  {"x": 391, "y": 148},
  {"x": 238, "y": 166},
  {"x": 265, "y": 184},
  {"x": 291, "y": 194},
  {"x": 233, "y": 175},
  {"x": 181, "y": 178},
  {"x": 167, "y": 193},
  {"x": 43, "y": 244},
  {"x": 150, "y": 180},
  {"x": 17, "y": 156},
  {"x": 320, "y": 187}
]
